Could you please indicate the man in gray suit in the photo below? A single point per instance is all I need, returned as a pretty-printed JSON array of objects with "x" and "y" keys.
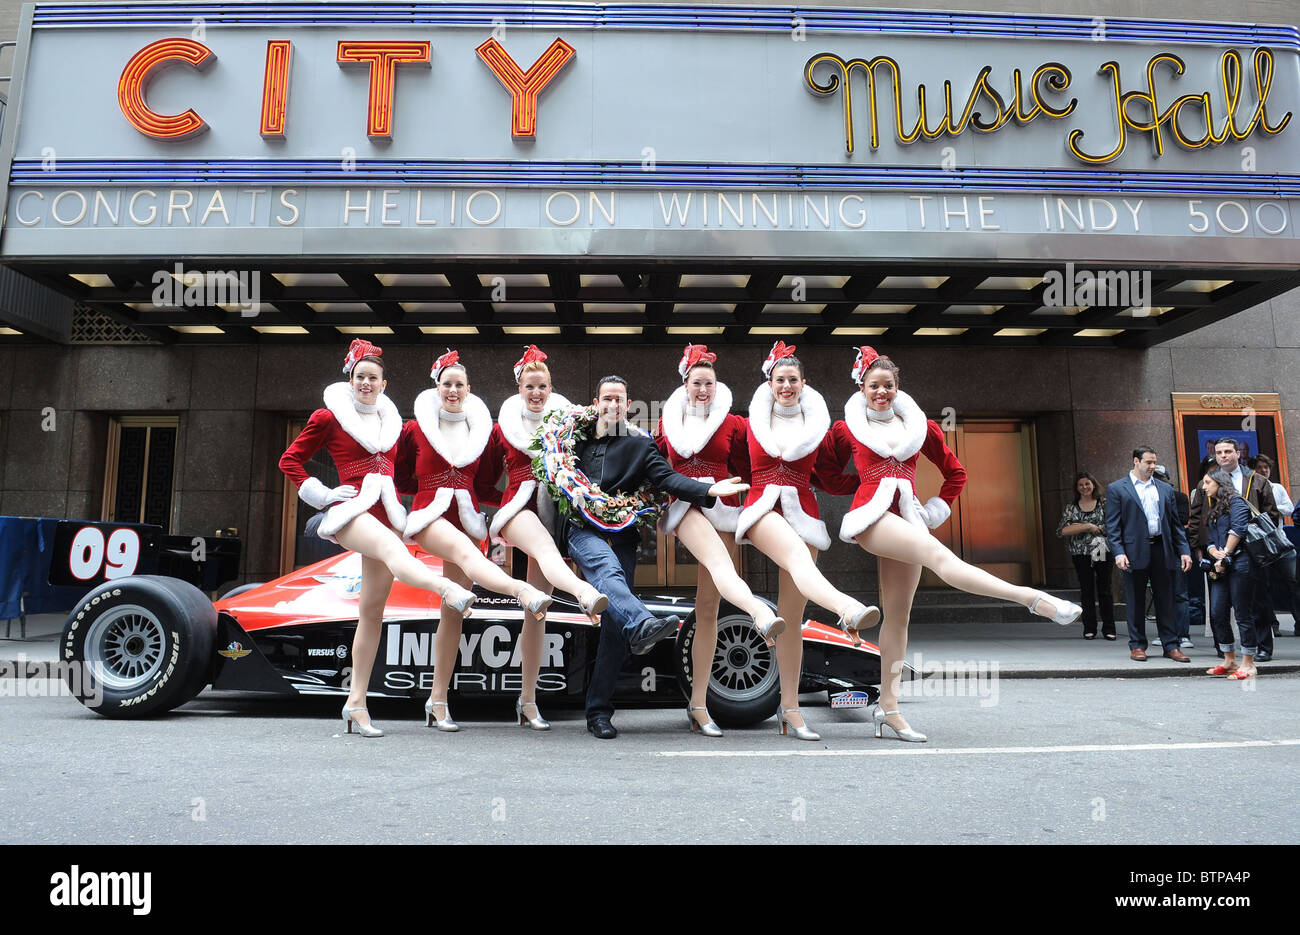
[{"x": 1150, "y": 544}]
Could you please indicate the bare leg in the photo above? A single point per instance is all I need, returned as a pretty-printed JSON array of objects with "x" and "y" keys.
[
  {"x": 531, "y": 643},
  {"x": 525, "y": 531},
  {"x": 446, "y": 642},
  {"x": 898, "y": 581},
  {"x": 444, "y": 540},
  {"x": 717, "y": 560},
  {"x": 773, "y": 537},
  {"x": 894, "y": 537},
  {"x": 790, "y": 605},
  {"x": 372, "y": 539},
  {"x": 376, "y": 582}
]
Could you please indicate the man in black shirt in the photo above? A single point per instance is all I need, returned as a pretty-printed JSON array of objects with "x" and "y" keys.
[{"x": 619, "y": 458}]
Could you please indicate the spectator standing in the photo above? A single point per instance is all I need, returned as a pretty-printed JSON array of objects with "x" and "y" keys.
[
  {"x": 1150, "y": 544},
  {"x": 1083, "y": 526}
]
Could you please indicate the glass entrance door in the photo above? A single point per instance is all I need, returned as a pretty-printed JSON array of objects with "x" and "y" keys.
[{"x": 994, "y": 522}]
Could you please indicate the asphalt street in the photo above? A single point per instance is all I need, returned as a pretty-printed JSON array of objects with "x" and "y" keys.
[{"x": 1098, "y": 760}]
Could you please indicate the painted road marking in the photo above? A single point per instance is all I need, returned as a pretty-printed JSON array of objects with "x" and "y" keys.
[{"x": 911, "y": 750}]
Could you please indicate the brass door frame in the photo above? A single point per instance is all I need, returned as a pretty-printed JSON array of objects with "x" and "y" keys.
[
  {"x": 1030, "y": 497},
  {"x": 289, "y": 502},
  {"x": 115, "y": 426}
]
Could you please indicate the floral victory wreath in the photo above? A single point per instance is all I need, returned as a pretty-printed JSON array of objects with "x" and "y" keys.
[{"x": 576, "y": 497}]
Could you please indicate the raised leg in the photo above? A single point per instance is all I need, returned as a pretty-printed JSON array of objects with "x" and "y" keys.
[
  {"x": 371, "y": 538},
  {"x": 525, "y": 531},
  {"x": 443, "y": 539},
  {"x": 893, "y": 537},
  {"x": 773, "y": 537},
  {"x": 718, "y": 560}
]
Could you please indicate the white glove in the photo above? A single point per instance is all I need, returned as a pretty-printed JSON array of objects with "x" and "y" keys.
[
  {"x": 316, "y": 495},
  {"x": 935, "y": 512}
]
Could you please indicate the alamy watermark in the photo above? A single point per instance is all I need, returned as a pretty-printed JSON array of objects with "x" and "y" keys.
[
  {"x": 1103, "y": 288},
  {"x": 953, "y": 679},
  {"x": 21, "y": 678},
  {"x": 182, "y": 288}
]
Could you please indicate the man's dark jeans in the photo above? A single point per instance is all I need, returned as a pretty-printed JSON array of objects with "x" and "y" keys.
[{"x": 608, "y": 562}]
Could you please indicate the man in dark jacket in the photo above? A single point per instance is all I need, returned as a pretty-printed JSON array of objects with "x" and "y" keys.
[
  {"x": 1257, "y": 492},
  {"x": 1150, "y": 545},
  {"x": 619, "y": 458}
]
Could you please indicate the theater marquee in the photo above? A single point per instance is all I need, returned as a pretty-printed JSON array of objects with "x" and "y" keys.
[{"x": 536, "y": 130}]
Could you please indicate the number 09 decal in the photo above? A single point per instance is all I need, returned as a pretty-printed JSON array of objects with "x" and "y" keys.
[{"x": 89, "y": 553}]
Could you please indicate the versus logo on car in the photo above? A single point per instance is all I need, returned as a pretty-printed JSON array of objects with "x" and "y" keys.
[
  {"x": 234, "y": 651},
  {"x": 340, "y": 651},
  {"x": 851, "y": 699}
]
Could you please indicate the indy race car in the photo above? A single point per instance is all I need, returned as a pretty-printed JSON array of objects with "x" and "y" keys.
[{"x": 145, "y": 644}]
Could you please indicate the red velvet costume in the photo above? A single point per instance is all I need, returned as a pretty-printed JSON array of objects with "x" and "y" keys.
[
  {"x": 783, "y": 481},
  {"x": 438, "y": 474},
  {"x": 711, "y": 452},
  {"x": 364, "y": 458},
  {"x": 510, "y": 440},
  {"x": 886, "y": 475}
]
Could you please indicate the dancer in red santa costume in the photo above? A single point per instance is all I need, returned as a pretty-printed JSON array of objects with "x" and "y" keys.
[
  {"x": 702, "y": 439},
  {"x": 360, "y": 427},
  {"x": 788, "y": 439},
  {"x": 884, "y": 431},
  {"x": 527, "y": 513},
  {"x": 441, "y": 454}
]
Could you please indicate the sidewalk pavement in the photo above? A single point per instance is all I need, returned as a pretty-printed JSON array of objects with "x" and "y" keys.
[{"x": 1032, "y": 650}]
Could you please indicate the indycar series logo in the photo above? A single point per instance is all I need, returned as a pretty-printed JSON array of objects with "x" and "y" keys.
[{"x": 487, "y": 661}]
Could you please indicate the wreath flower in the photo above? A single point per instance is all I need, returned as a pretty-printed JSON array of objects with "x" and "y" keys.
[{"x": 576, "y": 497}]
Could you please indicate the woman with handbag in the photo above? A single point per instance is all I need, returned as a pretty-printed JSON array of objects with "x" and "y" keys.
[
  {"x": 1083, "y": 526},
  {"x": 1225, "y": 528}
]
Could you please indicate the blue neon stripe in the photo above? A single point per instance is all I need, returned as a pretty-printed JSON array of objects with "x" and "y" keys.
[
  {"x": 635, "y": 16},
  {"x": 322, "y": 172}
]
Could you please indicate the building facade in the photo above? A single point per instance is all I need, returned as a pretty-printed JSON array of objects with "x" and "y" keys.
[{"x": 176, "y": 412}]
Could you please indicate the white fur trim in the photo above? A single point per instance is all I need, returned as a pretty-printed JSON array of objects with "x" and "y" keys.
[
  {"x": 374, "y": 488},
  {"x": 914, "y": 426},
  {"x": 722, "y": 517},
  {"x": 340, "y": 401},
  {"x": 816, "y": 417},
  {"x": 428, "y": 405},
  {"x": 471, "y": 520},
  {"x": 810, "y": 530},
  {"x": 542, "y": 503},
  {"x": 936, "y": 511},
  {"x": 314, "y": 493},
  {"x": 687, "y": 439},
  {"x": 511, "y": 419},
  {"x": 858, "y": 520},
  {"x": 510, "y": 509}
]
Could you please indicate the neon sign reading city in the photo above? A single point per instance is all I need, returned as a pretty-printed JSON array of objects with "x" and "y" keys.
[
  {"x": 380, "y": 58},
  {"x": 1192, "y": 120}
]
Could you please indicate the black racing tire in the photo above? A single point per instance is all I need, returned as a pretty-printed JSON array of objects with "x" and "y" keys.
[
  {"x": 139, "y": 646},
  {"x": 744, "y": 686}
]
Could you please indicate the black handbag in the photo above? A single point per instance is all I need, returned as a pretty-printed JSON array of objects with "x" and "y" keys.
[{"x": 1265, "y": 542}]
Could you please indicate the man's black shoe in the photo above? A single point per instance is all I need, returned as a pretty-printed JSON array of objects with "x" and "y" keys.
[
  {"x": 602, "y": 728},
  {"x": 1263, "y": 657},
  {"x": 651, "y": 632}
]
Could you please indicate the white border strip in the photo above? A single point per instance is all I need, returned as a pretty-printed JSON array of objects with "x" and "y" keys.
[{"x": 959, "y": 751}]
